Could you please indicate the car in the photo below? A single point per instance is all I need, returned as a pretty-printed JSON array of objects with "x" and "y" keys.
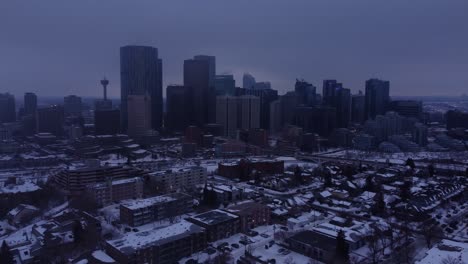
[
  {"x": 286, "y": 252},
  {"x": 234, "y": 245},
  {"x": 281, "y": 250},
  {"x": 243, "y": 242},
  {"x": 264, "y": 235},
  {"x": 252, "y": 233}
]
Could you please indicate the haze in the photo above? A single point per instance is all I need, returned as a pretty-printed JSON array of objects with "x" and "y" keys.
[{"x": 55, "y": 48}]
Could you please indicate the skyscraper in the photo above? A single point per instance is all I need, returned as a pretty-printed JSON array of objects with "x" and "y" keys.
[
  {"x": 226, "y": 114},
  {"x": 343, "y": 107},
  {"x": 329, "y": 90},
  {"x": 139, "y": 114},
  {"x": 305, "y": 92},
  {"x": 377, "y": 97},
  {"x": 178, "y": 108},
  {"x": 225, "y": 85},
  {"x": 30, "y": 103},
  {"x": 196, "y": 79},
  {"x": 249, "y": 109},
  {"x": 141, "y": 74},
  {"x": 7, "y": 108},
  {"x": 50, "y": 120},
  {"x": 358, "y": 107},
  {"x": 72, "y": 105},
  {"x": 211, "y": 93},
  {"x": 248, "y": 81}
]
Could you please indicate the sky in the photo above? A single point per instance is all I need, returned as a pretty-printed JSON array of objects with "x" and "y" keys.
[{"x": 57, "y": 48}]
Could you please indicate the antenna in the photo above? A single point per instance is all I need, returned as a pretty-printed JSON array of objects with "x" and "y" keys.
[{"x": 104, "y": 83}]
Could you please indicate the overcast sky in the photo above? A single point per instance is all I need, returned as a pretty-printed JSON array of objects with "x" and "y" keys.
[{"x": 66, "y": 47}]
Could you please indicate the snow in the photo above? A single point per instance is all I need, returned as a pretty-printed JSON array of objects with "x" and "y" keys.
[
  {"x": 102, "y": 256},
  {"x": 143, "y": 203},
  {"x": 446, "y": 249},
  {"x": 27, "y": 186}
]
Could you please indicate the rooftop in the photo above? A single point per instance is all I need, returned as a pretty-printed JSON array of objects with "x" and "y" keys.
[{"x": 214, "y": 217}]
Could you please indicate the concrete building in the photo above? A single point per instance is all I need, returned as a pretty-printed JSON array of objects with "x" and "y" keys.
[
  {"x": 225, "y": 85},
  {"x": 197, "y": 80},
  {"x": 143, "y": 211},
  {"x": 358, "y": 108},
  {"x": 248, "y": 81},
  {"x": 139, "y": 115},
  {"x": 251, "y": 215},
  {"x": 72, "y": 105},
  {"x": 107, "y": 122},
  {"x": 30, "y": 104},
  {"x": 163, "y": 246},
  {"x": 407, "y": 108},
  {"x": 420, "y": 132},
  {"x": 249, "y": 109},
  {"x": 178, "y": 178},
  {"x": 105, "y": 193},
  {"x": 377, "y": 97},
  {"x": 141, "y": 74},
  {"x": 306, "y": 92},
  {"x": 7, "y": 108},
  {"x": 217, "y": 223},
  {"x": 50, "y": 120},
  {"x": 178, "y": 108},
  {"x": 227, "y": 114}
]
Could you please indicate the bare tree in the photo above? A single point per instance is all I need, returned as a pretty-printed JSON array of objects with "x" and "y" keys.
[
  {"x": 451, "y": 260},
  {"x": 374, "y": 244}
]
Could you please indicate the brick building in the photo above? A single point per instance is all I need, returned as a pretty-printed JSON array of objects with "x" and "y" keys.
[
  {"x": 251, "y": 215},
  {"x": 218, "y": 224},
  {"x": 112, "y": 191}
]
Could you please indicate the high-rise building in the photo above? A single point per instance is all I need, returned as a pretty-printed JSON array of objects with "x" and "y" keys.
[
  {"x": 72, "y": 105},
  {"x": 358, "y": 108},
  {"x": 305, "y": 92},
  {"x": 196, "y": 79},
  {"x": 343, "y": 107},
  {"x": 50, "y": 120},
  {"x": 248, "y": 81},
  {"x": 289, "y": 102},
  {"x": 30, "y": 104},
  {"x": 377, "y": 97},
  {"x": 456, "y": 119},
  {"x": 262, "y": 86},
  {"x": 225, "y": 85},
  {"x": 107, "y": 122},
  {"x": 227, "y": 114},
  {"x": 139, "y": 115},
  {"x": 141, "y": 74},
  {"x": 249, "y": 109},
  {"x": 420, "y": 134},
  {"x": 275, "y": 116},
  {"x": 407, "y": 108},
  {"x": 330, "y": 87},
  {"x": 178, "y": 108},
  {"x": 7, "y": 108},
  {"x": 210, "y": 109},
  {"x": 266, "y": 97},
  {"x": 320, "y": 120}
]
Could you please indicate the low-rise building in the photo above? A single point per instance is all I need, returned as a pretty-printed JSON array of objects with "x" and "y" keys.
[
  {"x": 218, "y": 224},
  {"x": 144, "y": 211},
  {"x": 164, "y": 246},
  {"x": 111, "y": 191},
  {"x": 173, "y": 179},
  {"x": 251, "y": 215}
]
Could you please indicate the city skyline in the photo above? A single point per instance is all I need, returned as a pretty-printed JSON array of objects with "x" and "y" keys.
[{"x": 313, "y": 44}]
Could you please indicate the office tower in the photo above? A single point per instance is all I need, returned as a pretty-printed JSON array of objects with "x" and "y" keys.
[
  {"x": 107, "y": 122},
  {"x": 305, "y": 92},
  {"x": 141, "y": 74},
  {"x": 139, "y": 114},
  {"x": 104, "y": 103},
  {"x": 358, "y": 108},
  {"x": 248, "y": 81},
  {"x": 50, "y": 120},
  {"x": 420, "y": 134},
  {"x": 377, "y": 97},
  {"x": 407, "y": 108},
  {"x": 329, "y": 92},
  {"x": 7, "y": 108},
  {"x": 343, "y": 107},
  {"x": 196, "y": 79},
  {"x": 211, "y": 92},
  {"x": 72, "y": 105},
  {"x": 249, "y": 109},
  {"x": 225, "y": 85},
  {"x": 275, "y": 116},
  {"x": 320, "y": 120},
  {"x": 289, "y": 102},
  {"x": 178, "y": 108},
  {"x": 30, "y": 104},
  {"x": 266, "y": 97},
  {"x": 226, "y": 114},
  {"x": 262, "y": 86}
]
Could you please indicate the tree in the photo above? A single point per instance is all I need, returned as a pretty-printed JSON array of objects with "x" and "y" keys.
[
  {"x": 374, "y": 244},
  {"x": 430, "y": 232},
  {"x": 379, "y": 206},
  {"x": 342, "y": 249},
  {"x": 405, "y": 191},
  {"x": 369, "y": 186},
  {"x": 298, "y": 175},
  {"x": 6, "y": 257},
  {"x": 410, "y": 163},
  {"x": 431, "y": 170},
  {"x": 78, "y": 232},
  {"x": 328, "y": 179},
  {"x": 451, "y": 260}
]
